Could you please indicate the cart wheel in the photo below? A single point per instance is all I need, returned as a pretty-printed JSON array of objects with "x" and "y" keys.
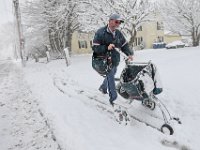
[
  {"x": 149, "y": 104},
  {"x": 167, "y": 129},
  {"x": 153, "y": 105},
  {"x": 122, "y": 92}
]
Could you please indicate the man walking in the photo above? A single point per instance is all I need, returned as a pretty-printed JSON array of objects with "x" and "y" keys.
[{"x": 105, "y": 41}]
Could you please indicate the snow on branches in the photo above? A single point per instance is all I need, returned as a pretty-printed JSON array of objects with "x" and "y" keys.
[{"x": 183, "y": 17}]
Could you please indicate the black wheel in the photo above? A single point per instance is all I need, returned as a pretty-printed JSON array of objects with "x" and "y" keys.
[
  {"x": 167, "y": 129},
  {"x": 149, "y": 104},
  {"x": 153, "y": 105},
  {"x": 122, "y": 92}
]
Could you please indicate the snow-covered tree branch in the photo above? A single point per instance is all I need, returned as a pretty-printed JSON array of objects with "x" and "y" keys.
[
  {"x": 183, "y": 17},
  {"x": 134, "y": 12},
  {"x": 50, "y": 22}
]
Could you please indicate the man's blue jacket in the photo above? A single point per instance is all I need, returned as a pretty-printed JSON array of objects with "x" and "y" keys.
[{"x": 103, "y": 38}]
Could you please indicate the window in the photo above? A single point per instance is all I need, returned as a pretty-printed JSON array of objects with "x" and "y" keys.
[
  {"x": 159, "y": 25},
  {"x": 138, "y": 41},
  {"x": 141, "y": 38},
  {"x": 135, "y": 41},
  {"x": 82, "y": 44},
  {"x": 139, "y": 28},
  {"x": 91, "y": 43},
  {"x": 160, "y": 39}
]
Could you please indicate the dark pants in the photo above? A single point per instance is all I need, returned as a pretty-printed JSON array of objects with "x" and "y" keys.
[{"x": 109, "y": 83}]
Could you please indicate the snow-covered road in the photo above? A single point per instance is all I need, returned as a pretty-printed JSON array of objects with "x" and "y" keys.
[{"x": 22, "y": 124}]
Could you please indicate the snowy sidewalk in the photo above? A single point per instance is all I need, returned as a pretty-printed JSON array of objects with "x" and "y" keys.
[{"x": 22, "y": 124}]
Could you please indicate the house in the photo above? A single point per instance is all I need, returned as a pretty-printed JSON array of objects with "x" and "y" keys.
[
  {"x": 148, "y": 34},
  {"x": 82, "y": 42},
  {"x": 170, "y": 36},
  {"x": 153, "y": 32}
]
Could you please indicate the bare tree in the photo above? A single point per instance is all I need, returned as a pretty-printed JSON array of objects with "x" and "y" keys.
[
  {"x": 134, "y": 12},
  {"x": 183, "y": 17},
  {"x": 51, "y": 22},
  {"x": 36, "y": 28}
]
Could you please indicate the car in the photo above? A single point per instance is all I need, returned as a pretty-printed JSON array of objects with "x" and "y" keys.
[
  {"x": 175, "y": 44},
  {"x": 187, "y": 41},
  {"x": 157, "y": 45}
]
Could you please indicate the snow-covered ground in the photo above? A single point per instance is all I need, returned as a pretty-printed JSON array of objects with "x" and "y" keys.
[
  {"x": 69, "y": 98},
  {"x": 23, "y": 125}
]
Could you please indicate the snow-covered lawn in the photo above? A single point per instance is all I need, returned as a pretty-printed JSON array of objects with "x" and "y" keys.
[{"x": 67, "y": 96}]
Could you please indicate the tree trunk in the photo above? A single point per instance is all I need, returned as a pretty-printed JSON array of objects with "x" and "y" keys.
[
  {"x": 132, "y": 39},
  {"x": 69, "y": 31},
  {"x": 195, "y": 41},
  {"x": 57, "y": 42},
  {"x": 68, "y": 40},
  {"x": 195, "y": 37},
  {"x": 51, "y": 41},
  {"x": 198, "y": 39}
]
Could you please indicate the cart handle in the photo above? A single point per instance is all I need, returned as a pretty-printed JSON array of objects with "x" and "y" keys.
[
  {"x": 129, "y": 62},
  {"x": 121, "y": 53}
]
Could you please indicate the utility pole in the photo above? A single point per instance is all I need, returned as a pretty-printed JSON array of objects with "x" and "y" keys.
[{"x": 17, "y": 15}]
